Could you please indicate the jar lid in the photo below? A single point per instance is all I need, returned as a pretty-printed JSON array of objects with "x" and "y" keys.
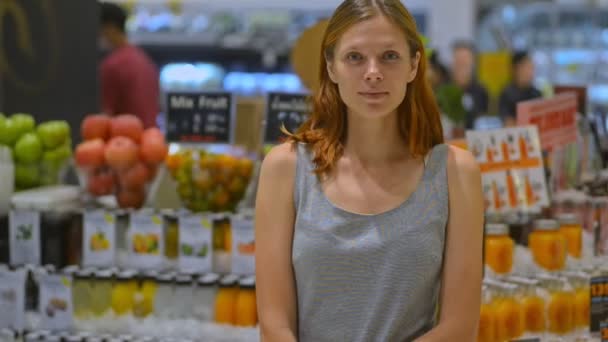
[
  {"x": 151, "y": 274},
  {"x": 544, "y": 224},
  {"x": 247, "y": 282},
  {"x": 209, "y": 279},
  {"x": 49, "y": 268},
  {"x": 104, "y": 274},
  {"x": 70, "y": 270},
  {"x": 127, "y": 274},
  {"x": 73, "y": 338},
  {"x": 94, "y": 339},
  {"x": 126, "y": 338},
  {"x": 568, "y": 219},
  {"x": 53, "y": 338},
  {"x": 183, "y": 279},
  {"x": 229, "y": 280},
  {"x": 494, "y": 218},
  {"x": 166, "y": 277},
  {"x": 522, "y": 281},
  {"x": 85, "y": 273},
  {"x": 32, "y": 336},
  {"x": 497, "y": 229}
]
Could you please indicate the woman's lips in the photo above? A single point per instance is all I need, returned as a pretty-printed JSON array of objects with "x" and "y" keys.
[{"x": 373, "y": 95}]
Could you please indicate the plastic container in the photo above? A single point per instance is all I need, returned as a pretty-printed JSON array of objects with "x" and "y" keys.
[
  {"x": 548, "y": 245},
  {"x": 246, "y": 314},
  {"x": 204, "y": 297},
  {"x": 572, "y": 230},
  {"x": 124, "y": 293},
  {"x": 499, "y": 248},
  {"x": 225, "y": 301},
  {"x": 164, "y": 300}
]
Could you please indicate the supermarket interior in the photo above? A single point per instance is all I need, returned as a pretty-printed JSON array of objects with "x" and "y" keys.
[{"x": 129, "y": 159}]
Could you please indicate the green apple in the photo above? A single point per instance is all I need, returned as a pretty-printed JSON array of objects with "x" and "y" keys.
[
  {"x": 59, "y": 154},
  {"x": 9, "y": 132},
  {"x": 26, "y": 175},
  {"x": 25, "y": 123},
  {"x": 53, "y": 133},
  {"x": 28, "y": 148}
]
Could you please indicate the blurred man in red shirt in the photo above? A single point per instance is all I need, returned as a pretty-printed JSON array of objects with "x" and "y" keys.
[{"x": 129, "y": 79}]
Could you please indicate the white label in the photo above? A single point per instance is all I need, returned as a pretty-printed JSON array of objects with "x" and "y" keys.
[
  {"x": 195, "y": 244},
  {"x": 99, "y": 238},
  {"x": 146, "y": 243},
  {"x": 24, "y": 237},
  {"x": 55, "y": 302},
  {"x": 12, "y": 300},
  {"x": 243, "y": 246}
]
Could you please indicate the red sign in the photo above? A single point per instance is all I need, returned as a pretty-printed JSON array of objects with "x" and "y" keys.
[{"x": 554, "y": 117}]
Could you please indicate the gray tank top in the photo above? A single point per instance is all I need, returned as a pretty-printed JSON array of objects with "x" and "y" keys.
[{"x": 369, "y": 277}]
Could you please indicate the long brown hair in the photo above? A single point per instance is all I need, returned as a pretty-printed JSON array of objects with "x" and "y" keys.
[{"x": 418, "y": 114}]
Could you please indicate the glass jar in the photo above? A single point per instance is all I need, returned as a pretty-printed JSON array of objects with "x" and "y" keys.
[
  {"x": 222, "y": 244},
  {"x": 548, "y": 245},
  {"x": 499, "y": 248},
  {"x": 486, "y": 330},
  {"x": 143, "y": 303},
  {"x": 225, "y": 300},
  {"x": 32, "y": 337},
  {"x": 122, "y": 243},
  {"x": 82, "y": 291},
  {"x": 183, "y": 296},
  {"x": 510, "y": 320},
  {"x": 171, "y": 232},
  {"x": 560, "y": 305},
  {"x": 579, "y": 281},
  {"x": 204, "y": 297},
  {"x": 246, "y": 314},
  {"x": 572, "y": 230},
  {"x": 124, "y": 292},
  {"x": 101, "y": 299},
  {"x": 533, "y": 304},
  {"x": 163, "y": 302},
  {"x": 7, "y": 335}
]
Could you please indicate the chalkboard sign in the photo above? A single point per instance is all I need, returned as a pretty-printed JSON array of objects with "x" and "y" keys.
[
  {"x": 286, "y": 109},
  {"x": 200, "y": 117},
  {"x": 599, "y": 303}
]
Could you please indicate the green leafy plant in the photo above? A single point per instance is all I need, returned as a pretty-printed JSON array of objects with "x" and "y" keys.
[{"x": 449, "y": 99}]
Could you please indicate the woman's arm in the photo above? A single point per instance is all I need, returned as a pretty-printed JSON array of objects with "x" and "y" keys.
[
  {"x": 274, "y": 222},
  {"x": 460, "y": 296}
]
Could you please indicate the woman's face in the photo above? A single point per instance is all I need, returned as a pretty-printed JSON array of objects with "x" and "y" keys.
[{"x": 372, "y": 66}]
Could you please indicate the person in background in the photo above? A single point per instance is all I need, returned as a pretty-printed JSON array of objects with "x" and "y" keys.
[
  {"x": 521, "y": 89},
  {"x": 129, "y": 79},
  {"x": 366, "y": 222},
  {"x": 437, "y": 74},
  {"x": 475, "y": 96}
]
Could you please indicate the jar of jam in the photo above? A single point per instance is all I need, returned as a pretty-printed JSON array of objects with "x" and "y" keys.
[
  {"x": 572, "y": 230},
  {"x": 498, "y": 248},
  {"x": 548, "y": 245}
]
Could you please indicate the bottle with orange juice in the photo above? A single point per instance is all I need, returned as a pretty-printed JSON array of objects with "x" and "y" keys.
[
  {"x": 572, "y": 230},
  {"x": 580, "y": 284},
  {"x": 486, "y": 330},
  {"x": 508, "y": 311},
  {"x": 498, "y": 248},
  {"x": 246, "y": 314},
  {"x": 533, "y": 305},
  {"x": 548, "y": 245},
  {"x": 560, "y": 305},
  {"x": 225, "y": 300}
]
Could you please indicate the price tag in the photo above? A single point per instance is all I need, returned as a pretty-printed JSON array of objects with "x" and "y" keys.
[
  {"x": 243, "y": 246},
  {"x": 56, "y": 302},
  {"x": 599, "y": 302},
  {"x": 12, "y": 300},
  {"x": 24, "y": 237},
  {"x": 200, "y": 117},
  {"x": 195, "y": 244},
  {"x": 99, "y": 238},
  {"x": 284, "y": 109},
  {"x": 146, "y": 247},
  {"x": 604, "y": 331}
]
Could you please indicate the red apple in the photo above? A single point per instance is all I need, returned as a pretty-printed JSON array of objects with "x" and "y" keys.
[
  {"x": 127, "y": 125},
  {"x": 121, "y": 153},
  {"x": 100, "y": 183},
  {"x": 95, "y": 126},
  {"x": 90, "y": 154},
  {"x": 134, "y": 177},
  {"x": 153, "y": 146},
  {"x": 131, "y": 198},
  {"x": 152, "y": 171}
]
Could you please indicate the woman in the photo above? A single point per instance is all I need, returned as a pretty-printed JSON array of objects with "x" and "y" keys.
[{"x": 365, "y": 221}]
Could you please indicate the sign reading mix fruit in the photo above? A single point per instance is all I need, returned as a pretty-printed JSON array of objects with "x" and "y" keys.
[
  {"x": 55, "y": 302},
  {"x": 12, "y": 300},
  {"x": 243, "y": 246},
  {"x": 146, "y": 241},
  {"x": 99, "y": 238},
  {"x": 24, "y": 228},
  {"x": 200, "y": 117},
  {"x": 599, "y": 302},
  {"x": 512, "y": 169},
  {"x": 284, "y": 109},
  {"x": 195, "y": 238}
]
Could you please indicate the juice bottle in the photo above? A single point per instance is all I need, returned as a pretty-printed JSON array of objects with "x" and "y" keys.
[
  {"x": 124, "y": 293},
  {"x": 533, "y": 304},
  {"x": 164, "y": 299},
  {"x": 510, "y": 320},
  {"x": 101, "y": 297},
  {"x": 486, "y": 331},
  {"x": 548, "y": 245},
  {"x": 183, "y": 297},
  {"x": 246, "y": 308},
  {"x": 572, "y": 230},
  {"x": 171, "y": 236},
  {"x": 143, "y": 303},
  {"x": 560, "y": 306},
  {"x": 580, "y": 284},
  {"x": 226, "y": 299},
  {"x": 81, "y": 293},
  {"x": 499, "y": 248}
]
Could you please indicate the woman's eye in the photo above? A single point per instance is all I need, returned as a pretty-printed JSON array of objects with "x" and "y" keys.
[
  {"x": 391, "y": 55},
  {"x": 354, "y": 57}
]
